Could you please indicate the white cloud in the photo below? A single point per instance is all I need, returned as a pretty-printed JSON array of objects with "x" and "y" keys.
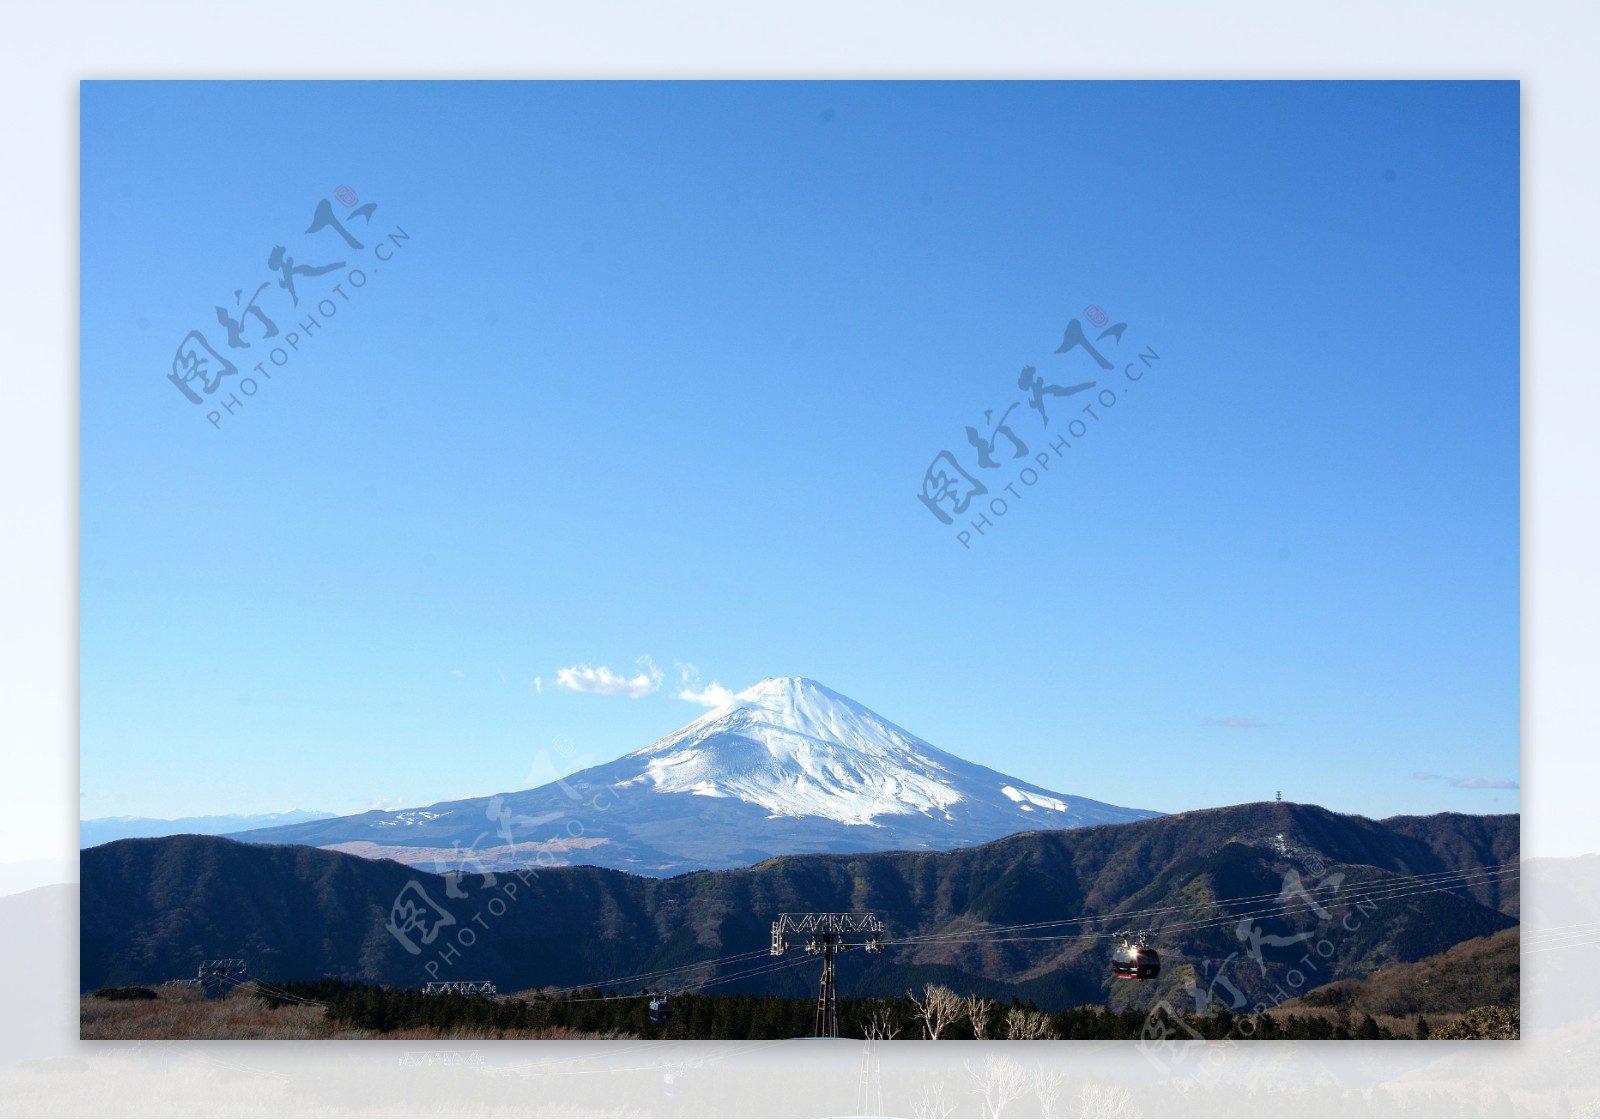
[
  {"x": 1484, "y": 783},
  {"x": 1480, "y": 782},
  {"x": 538, "y": 685},
  {"x": 604, "y": 681},
  {"x": 457, "y": 674},
  {"x": 713, "y": 695}
]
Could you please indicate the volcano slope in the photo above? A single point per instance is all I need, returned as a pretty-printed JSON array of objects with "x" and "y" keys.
[{"x": 786, "y": 767}]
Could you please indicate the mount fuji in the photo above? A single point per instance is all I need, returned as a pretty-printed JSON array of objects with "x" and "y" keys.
[{"x": 787, "y": 767}]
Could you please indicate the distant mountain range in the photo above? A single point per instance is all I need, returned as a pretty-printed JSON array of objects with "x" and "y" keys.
[
  {"x": 1251, "y": 889},
  {"x": 103, "y": 830},
  {"x": 788, "y": 766}
]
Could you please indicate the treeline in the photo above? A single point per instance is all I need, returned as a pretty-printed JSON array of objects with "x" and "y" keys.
[{"x": 934, "y": 1013}]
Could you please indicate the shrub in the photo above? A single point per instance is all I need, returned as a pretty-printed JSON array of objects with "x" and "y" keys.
[
  {"x": 1487, "y": 1023},
  {"x": 126, "y": 993}
]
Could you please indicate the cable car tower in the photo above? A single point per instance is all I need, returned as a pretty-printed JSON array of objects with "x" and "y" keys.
[{"x": 827, "y": 935}]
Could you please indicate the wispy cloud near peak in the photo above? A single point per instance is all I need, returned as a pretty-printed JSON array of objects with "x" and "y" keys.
[
  {"x": 713, "y": 695},
  {"x": 602, "y": 680}
]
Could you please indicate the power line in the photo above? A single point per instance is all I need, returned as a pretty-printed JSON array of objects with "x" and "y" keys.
[
  {"x": 1120, "y": 916},
  {"x": 663, "y": 971},
  {"x": 1124, "y": 915},
  {"x": 287, "y": 997},
  {"x": 682, "y": 990},
  {"x": 1386, "y": 890}
]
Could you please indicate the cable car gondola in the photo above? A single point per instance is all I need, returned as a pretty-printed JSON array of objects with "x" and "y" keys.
[
  {"x": 660, "y": 1009},
  {"x": 1135, "y": 960}
]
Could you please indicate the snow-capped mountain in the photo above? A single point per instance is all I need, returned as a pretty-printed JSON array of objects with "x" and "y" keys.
[
  {"x": 787, "y": 766},
  {"x": 799, "y": 749}
]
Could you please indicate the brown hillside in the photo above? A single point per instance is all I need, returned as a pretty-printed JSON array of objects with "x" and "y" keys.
[{"x": 1479, "y": 972}]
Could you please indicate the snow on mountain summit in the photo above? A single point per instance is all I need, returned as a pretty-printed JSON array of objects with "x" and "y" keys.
[{"x": 797, "y": 748}]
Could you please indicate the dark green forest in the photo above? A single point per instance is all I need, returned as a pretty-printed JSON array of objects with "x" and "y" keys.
[{"x": 384, "y": 1009}]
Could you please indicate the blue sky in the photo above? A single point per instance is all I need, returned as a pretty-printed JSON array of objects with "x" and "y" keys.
[{"x": 656, "y": 372}]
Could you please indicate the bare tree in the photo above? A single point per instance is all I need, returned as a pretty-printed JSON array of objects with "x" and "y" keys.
[
  {"x": 882, "y": 1025},
  {"x": 1001, "y": 1081},
  {"x": 1047, "y": 1084},
  {"x": 932, "y": 1104},
  {"x": 978, "y": 1010},
  {"x": 939, "y": 1008},
  {"x": 1028, "y": 1025},
  {"x": 1101, "y": 1102}
]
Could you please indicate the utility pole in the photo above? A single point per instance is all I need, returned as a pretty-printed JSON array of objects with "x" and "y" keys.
[
  {"x": 216, "y": 975},
  {"x": 827, "y": 936}
]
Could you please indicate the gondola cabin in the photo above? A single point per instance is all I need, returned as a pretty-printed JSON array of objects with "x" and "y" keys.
[
  {"x": 1135, "y": 962},
  {"x": 660, "y": 1009}
]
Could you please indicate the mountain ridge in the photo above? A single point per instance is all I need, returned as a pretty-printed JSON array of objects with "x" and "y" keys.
[
  {"x": 93, "y": 831},
  {"x": 153, "y": 908}
]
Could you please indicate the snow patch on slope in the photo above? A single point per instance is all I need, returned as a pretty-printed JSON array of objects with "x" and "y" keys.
[
  {"x": 409, "y": 817},
  {"x": 1026, "y": 798}
]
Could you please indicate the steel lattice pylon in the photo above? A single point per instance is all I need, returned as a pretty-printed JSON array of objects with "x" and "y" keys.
[
  {"x": 460, "y": 987},
  {"x": 216, "y": 975},
  {"x": 827, "y": 935}
]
